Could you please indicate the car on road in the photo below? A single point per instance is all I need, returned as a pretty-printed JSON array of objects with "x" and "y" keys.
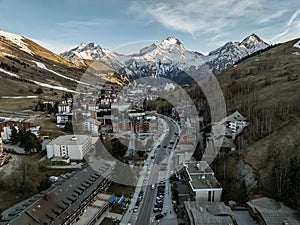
[
  {"x": 159, "y": 201},
  {"x": 135, "y": 209},
  {"x": 152, "y": 186},
  {"x": 159, "y": 198},
  {"x": 155, "y": 210},
  {"x": 140, "y": 198},
  {"x": 159, "y": 216}
]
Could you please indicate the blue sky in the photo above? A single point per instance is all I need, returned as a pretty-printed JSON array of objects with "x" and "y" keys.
[{"x": 200, "y": 25}]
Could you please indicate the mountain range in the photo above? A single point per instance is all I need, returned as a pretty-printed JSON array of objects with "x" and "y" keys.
[
  {"x": 168, "y": 58},
  {"x": 23, "y": 59}
]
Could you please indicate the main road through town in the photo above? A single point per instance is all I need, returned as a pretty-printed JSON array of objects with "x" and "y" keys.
[{"x": 159, "y": 164}]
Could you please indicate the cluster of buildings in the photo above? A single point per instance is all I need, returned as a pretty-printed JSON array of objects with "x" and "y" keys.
[
  {"x": 205, "y": 205},
  {"x": 7, "y": 124},
  {"x": 110, "y": 112}
]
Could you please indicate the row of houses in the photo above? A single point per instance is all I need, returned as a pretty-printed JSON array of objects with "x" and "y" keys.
[{"x": 64, "y": 202}]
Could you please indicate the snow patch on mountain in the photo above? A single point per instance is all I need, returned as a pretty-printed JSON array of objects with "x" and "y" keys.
[
  {"x": 40, "y": 83},
  {"x": 297, "y": 44},
  {"x": 42, "y": 66},
  {"x": 16, "y": 39}
]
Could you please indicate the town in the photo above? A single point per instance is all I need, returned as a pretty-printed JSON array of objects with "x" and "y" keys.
[{"x": 121, "y": 161}]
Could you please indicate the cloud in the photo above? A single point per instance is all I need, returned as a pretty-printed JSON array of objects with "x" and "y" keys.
[
  {"x": 273, "y": 16},
  {"x": 291, "y": 29},
  {"x": 89, "y": 23},
  {"x": 293, "y": 17},
  {"x": 199, "y": 15}
]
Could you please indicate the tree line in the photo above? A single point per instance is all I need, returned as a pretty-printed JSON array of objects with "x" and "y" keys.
[{"x": 25, "y": 139}]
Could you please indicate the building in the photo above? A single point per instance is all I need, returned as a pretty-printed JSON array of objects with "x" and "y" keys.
[
  {"x": 72, "y": 147},
  {"x": 63, "y": 118},
  {"x": 267, "y": 211},
  {"x": 226, "y": 130},
  {"x": 202, "y": 182},
  {"x": 91, "y": 126},
  {"x": 6, "y": 125},
  {"x": 208, "y": 213},
  {"x": 64, "y": 202}
]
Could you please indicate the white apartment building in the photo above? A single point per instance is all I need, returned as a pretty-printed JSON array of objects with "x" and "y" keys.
[
  {"x": 72, "y": 147},
  {"x": 203, "y": 182}
]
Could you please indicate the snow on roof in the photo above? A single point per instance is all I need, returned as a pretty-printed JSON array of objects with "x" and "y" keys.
[{"x": 16, "y": 39}]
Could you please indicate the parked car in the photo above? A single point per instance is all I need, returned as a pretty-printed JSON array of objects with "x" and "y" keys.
[
  {"x": 155, "y": 210},
  {"x": 159, "y": 216}
]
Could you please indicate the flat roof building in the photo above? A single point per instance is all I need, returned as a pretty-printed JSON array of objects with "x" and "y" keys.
[
  {"x": 203, "y": 182},
  {"x": 72, "y": 147}
]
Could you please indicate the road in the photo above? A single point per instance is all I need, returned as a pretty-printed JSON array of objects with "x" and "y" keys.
[{"x": 159, "y": 164}]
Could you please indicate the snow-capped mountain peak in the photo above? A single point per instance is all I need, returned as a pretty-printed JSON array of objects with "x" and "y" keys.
[
  {"x": 172, "y": 40},
  {"x": 253, "y": 38},
  {"x": 169, "y": 58},
  {"x": 89, "y": 51},
  {"x": 228, "y": 54}
]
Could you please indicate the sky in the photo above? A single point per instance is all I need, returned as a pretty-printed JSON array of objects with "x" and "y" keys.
[{"x": 128, "y": 25}]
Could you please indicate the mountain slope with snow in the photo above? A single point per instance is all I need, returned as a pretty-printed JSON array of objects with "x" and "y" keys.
[
  {"x": 168, "y": 58},
  {"x": 230, "y": 53},
  {"x": 24, "y": 61}
]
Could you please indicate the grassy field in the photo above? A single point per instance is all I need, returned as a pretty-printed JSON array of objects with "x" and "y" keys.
[{"x": 48, "y": 127}]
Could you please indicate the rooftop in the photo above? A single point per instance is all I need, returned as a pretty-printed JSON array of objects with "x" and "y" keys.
[
  {"x": 208, "y": 213},
  {"x": 198, "y": 167},
  {"x": 201, "y": 175},
  {"x": 204, "y": 182},
  {"x": 70, "y": 140},
  {"x": 60, "y": 201},
  {"x": 273, "y": 212}
]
